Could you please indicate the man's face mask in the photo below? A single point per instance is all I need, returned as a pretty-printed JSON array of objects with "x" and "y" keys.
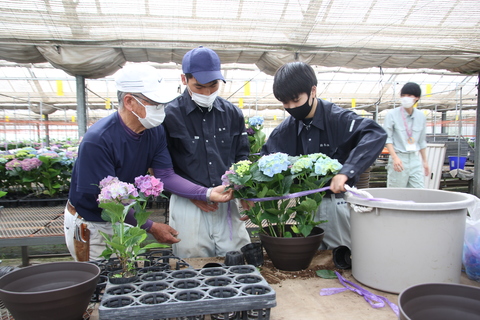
[
  {"x": 155, "y": 114},
  {"x": 407, "y": 102},
  {"x": 301, "y": 112},
  {"x": 203, "y": 100}
]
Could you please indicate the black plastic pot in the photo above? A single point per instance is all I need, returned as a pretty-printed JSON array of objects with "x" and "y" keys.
[
  {"x": 342, "y": 257},
  {"x": 53, "y": 291},
  {"x": 121, "y": 280},
  {"x": 292, "y": 254},
  {"x": 253, "y": 253},
  {"x": 234, "y": 258}
]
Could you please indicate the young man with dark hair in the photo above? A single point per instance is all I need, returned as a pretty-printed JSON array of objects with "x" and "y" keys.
[
  {"x": 406, "y": 142},
  {"x": 316, "y": 125}
]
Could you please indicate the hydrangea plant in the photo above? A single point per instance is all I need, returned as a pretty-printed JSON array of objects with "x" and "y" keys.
[
  {"x": 44, "y": 171},
  {"x": 116, "y": 198},
  {"x": 256, "y": 136},
  {"x": 281, "y": 181}
]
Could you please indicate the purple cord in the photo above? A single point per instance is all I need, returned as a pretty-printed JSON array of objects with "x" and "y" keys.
[
  {"x": 229, "y": 220},
  {"x": 374, "y": 300},
  {"x": 289, "y": 196}
]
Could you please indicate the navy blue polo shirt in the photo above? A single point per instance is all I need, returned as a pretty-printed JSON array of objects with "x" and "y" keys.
[
  {"x": 111, "y": 148},
  {"x": 204, "y": 144},
  {"x": 341, "y": 134}
]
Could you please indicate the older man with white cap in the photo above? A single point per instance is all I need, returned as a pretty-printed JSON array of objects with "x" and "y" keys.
[
  {"x": 206, "y": 134},
  {"x": 125, "y": 144}
]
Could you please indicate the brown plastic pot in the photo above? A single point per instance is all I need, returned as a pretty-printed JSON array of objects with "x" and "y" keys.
[
  {"x": 292, "y": 254},
  {"x": 53, "y": 291},
  {"x": 439, "y": 301}
]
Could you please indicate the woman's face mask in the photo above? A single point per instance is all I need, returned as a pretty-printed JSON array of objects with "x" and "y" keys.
[{"x": 155, "y": 114}]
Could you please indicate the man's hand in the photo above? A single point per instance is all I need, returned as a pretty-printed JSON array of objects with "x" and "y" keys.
[
  {"x": 219, "y": 194},
  {"x": 426, "y": 169},
  {"x": 397, "y": 164},
  {"x": 337, "y": 184},
  {"x": 204, "y": 206},
  {"x": 163, "y": 233},
  {"x": 247, "y": 205}
]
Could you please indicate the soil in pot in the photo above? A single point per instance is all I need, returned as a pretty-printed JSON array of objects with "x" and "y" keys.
[
  {"x": 292, "y": 254},
  {"x": 115, "y": 277}
]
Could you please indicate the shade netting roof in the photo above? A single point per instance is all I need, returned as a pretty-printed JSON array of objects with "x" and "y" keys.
[
  {"x": 362, "y": 50},
  {"x": 94, "y": 38}
]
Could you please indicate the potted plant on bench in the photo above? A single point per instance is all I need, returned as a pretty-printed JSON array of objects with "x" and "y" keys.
[
  {"x": 280, "y": 186},
  {"x": 116, "y": 198}
]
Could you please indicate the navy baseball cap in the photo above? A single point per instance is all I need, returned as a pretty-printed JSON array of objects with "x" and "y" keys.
[{"x": 203, "y": 63}]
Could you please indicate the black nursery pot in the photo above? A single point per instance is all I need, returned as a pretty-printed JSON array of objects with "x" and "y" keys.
[
  {"x": 234, "y": 258},
  {"x": 292, "y": 254},
  {"x": 342, "y": 257},
  {"x": 253, "y": 253}
]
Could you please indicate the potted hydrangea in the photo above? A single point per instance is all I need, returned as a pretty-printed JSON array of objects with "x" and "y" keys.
[
  {"x": 116, "y": 198},
  {"x": 284, "y": 188}
]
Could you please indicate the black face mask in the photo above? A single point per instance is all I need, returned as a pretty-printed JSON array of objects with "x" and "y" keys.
[{"x": 300, "y": 112}]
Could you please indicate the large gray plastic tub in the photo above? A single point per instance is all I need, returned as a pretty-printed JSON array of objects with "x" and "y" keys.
[{"x": 399, "y": 243}]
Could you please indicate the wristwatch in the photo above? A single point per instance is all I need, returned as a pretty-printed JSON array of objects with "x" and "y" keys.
[{"x": 209, "y": 192}]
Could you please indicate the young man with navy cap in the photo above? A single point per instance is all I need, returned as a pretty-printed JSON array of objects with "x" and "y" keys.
[
  {"x": 206, "y": 135},
  {"x": 125, "y": 144},
  {"x": 406, "y": 142}
]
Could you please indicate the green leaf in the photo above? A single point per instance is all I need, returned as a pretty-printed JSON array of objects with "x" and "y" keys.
[
  {"x": 326, "y": 274},
  {"x": 112, "y": 212}
]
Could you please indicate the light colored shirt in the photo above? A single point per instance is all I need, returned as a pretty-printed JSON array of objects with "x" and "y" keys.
[{"x": 398, "y": 129}]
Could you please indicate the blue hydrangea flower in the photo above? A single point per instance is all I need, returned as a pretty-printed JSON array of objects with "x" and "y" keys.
[
  {"x": 273, "y": 163},
  {"x": 255, "y": 121},
  {"x": 324, "y": 166}
]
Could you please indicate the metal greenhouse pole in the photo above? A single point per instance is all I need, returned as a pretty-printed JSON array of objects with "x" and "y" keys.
[
  {"x": 81, "y": 106},
  {"x": 476, "y": 173}
]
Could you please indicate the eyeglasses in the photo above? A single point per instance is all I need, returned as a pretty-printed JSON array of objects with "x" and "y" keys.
[{"x": 157, "y": 106}]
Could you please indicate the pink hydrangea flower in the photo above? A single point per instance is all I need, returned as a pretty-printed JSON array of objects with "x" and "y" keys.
[
  {"x": 226, "y": 180},
  {"x": 149, "y": 185},
  {"x": 107, "y": 181},
  {"x": 12, "y": 164},
  {"x": 31, "y": 163},
  {"x": 119, "y": 191}
]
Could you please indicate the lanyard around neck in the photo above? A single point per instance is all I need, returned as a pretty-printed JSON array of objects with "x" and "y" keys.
[{"x": 409, "y": 130}]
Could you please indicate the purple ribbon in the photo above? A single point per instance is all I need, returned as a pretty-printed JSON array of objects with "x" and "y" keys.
[
  {"x": 374, "y": 300},
  {"x": 290, "y": 196},
  {"x": 229, "y": 220}
]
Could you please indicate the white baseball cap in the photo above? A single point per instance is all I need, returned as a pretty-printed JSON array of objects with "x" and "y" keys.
[{"x": 144, "y": 79}]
